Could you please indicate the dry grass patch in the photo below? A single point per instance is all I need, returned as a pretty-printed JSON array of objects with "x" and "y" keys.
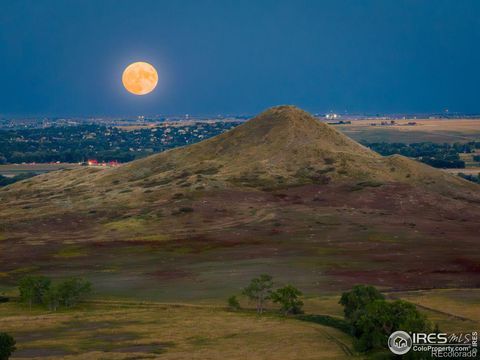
[{"x": 176, "y": 332}]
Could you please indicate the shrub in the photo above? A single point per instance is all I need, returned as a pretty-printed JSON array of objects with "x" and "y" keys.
[
  {"x": 329, "y": 161},
  {"x": 289, "y": 299},
  {"x": 233, "y": 303},
  {"x": 7, "y": 346}
]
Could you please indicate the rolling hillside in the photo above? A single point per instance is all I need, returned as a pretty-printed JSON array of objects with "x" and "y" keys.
[
  {"x": 282, "y": 193},
  {"x": 280, "y": 148}
]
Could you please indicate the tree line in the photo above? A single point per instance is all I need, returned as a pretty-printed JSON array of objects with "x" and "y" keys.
[
  {"x": 436, "y": 155},
  {"x": 40, "y": 290},
  {"x": 5, "y": 180}
]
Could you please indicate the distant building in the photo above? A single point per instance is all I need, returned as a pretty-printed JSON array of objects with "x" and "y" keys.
[
  {"x": 94, "y": 162},
  {"x": 332, "y": 116}
]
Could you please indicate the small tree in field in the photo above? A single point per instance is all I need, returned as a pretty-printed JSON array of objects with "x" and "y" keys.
[
  {"x": 233, "y": 303},
  {"x": 33, "y": 288},
  {"x": 259, "y": 291},
  {"x": 71, "y": 291},
  {"x": 289, "y": 299},
  {"x": 7, "y": 346}
]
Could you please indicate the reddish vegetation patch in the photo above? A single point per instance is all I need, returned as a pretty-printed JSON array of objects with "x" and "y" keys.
[
  {"x": 41, "y": 353},
  {"x": 170, "y": 274},
  {"x": 468, "y": 265},
  {"x": 393, "y": 197},
  {"x": 391, "y": 235},
  {"x": 408, "y": 280}
]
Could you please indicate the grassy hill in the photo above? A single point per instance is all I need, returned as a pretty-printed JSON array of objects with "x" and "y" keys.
[
  {"x": 282, "y": 193},
  {"x": 282, "y": 147}
]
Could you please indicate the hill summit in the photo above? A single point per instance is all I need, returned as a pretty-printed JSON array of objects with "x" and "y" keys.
[{"x": 283, "y": 146}]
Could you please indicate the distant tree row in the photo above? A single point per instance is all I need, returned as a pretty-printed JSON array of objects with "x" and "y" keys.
[
  {"x": 5, "y": 180},
  {"x": 469, "y": 177},
  {"x": 436, "y": 155},
  {"x": 39, "y": 290}
]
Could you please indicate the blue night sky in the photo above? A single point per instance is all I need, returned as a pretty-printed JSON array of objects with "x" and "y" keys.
[{"x": 66, "y": 57}]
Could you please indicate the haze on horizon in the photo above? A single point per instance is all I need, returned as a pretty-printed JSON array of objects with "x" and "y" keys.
[{"x": 385, "y": 56}]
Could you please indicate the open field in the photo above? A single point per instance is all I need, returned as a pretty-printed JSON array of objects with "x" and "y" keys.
[
  {"x": 453, "y": 309},
  {"x": 148, "y": 330},
  {"x": 467, "y": 171},
  {"x": 16, "y": 169},
  {"x": 434, "y": 130}
]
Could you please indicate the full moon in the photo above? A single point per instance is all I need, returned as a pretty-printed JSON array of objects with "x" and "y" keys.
[{"x": 140, "y": 78}]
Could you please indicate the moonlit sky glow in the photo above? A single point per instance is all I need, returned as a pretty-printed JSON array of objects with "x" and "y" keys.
[{"x": 213, "y": 56}]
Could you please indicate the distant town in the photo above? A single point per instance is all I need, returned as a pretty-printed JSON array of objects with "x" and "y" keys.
[
  {"x": 28, "y": 145},
  {"x": 13, "y": 122}
]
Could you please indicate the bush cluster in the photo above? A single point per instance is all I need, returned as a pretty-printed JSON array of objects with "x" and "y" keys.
[{"x": 39, "y": 290}]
